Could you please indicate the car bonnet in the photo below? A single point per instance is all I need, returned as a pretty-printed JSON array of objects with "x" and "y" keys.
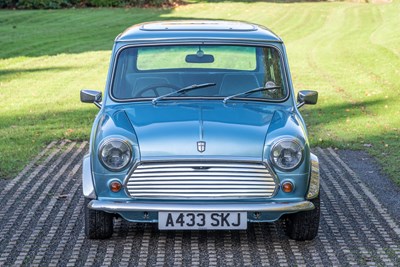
[{"x": 200, "y": 129}]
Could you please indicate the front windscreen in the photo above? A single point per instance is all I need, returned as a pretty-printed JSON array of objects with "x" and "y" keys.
[{"x": 152, "y": 71}]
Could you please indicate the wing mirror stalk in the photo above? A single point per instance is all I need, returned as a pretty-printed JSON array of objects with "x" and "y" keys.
[
  {"x": 91, "y": 96},
  {"x": 307, "y": 97}
]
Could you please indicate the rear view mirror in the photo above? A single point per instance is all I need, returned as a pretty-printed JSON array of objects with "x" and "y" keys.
[
  {"x": 195, "y": 58},
  {"x": 307, "y": 97},
  {"x": 91, "y": 96}
]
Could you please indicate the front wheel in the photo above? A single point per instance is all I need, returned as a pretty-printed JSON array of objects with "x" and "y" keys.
[
  {"x": 303, "y": 225},
  {"x": 98, "y": 224}
]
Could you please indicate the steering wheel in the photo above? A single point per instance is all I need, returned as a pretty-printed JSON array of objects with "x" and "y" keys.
[{"x": 155, "y": 89}]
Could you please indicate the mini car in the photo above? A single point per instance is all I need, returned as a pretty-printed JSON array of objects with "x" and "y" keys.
[{"x": 199, "y": 129}]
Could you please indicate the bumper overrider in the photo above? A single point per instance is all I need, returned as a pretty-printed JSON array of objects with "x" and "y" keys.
[{"x": 275, "y": 207}]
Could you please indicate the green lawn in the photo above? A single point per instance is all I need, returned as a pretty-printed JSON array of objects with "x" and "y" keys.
[{"x": 349, "y": 52}]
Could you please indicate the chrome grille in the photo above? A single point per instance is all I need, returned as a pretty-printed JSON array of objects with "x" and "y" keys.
[{"x": 208, "y": 180}]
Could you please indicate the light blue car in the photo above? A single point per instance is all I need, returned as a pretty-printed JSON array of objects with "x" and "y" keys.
[{"x": 199, "y": 129}]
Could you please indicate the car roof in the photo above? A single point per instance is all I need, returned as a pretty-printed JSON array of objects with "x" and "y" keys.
[{"x": 197, "y": 30}]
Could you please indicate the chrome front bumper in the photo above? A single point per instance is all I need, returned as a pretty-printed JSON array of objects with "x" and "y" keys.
[{"x": 285, "y": 207}]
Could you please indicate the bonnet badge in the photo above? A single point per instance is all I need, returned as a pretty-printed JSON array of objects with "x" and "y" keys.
[{"x": 201, "y": 146}]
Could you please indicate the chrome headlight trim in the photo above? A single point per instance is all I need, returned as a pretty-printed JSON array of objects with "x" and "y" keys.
[
  {"x": 278, "y": 145},
  {"x": 128, "y": 150}
]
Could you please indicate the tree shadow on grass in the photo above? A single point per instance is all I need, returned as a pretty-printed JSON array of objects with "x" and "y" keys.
[
  {"x": 10, "y": 73},
  {"x": 333, "y": 125},
  {"x": 339, "y": 112},
  {"x": 22, "y": 136},
  {"x": 50, "y": 119}
]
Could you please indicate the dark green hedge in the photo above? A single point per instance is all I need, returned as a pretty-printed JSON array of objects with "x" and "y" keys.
[{"x": 54, "y": 4}]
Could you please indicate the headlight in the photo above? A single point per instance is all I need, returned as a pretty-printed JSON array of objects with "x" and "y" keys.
[
  {"x": 115, "y": 154},
  {"x": 287, "y": 154}
]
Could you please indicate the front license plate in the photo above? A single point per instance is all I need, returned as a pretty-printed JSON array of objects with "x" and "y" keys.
[{"x": 202, "y": 220}]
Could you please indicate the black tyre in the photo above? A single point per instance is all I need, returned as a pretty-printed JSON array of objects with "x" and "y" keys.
[
  {"x": 303, "y": 225},
  {"x": 98, "y": 224}
]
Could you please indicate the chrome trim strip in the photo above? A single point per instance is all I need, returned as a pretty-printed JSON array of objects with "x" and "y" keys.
[
  {"x": 200, "y": 196},
  {"x": 199, "y": 174},
  {"x": 246, "y": 27},
  {"x": 203, "y": 188},
  {"x": 178, "y": 40},
  {"x": 201, "y": 184},
  {"x": 144, "y": 99},
  {"x": 87, "y": 180},
  {"x": 197, "y": 183},
  {"x": 190, "y": 165},
  {"x": 238, "y": 160},
  {"x": 197, "y": 180},
  {"x": 114, "y": 206},
  {"x": 313, "y": 189}
]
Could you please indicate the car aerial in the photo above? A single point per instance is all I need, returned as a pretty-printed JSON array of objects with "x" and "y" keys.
[{"x": 199, "y": 129}]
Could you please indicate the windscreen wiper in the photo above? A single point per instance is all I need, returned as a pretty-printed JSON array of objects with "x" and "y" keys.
[
  {"x": 258, "y": 89},
  {"x": 182, "y": 90}
]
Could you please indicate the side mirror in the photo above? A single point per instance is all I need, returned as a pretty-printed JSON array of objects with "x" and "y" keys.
[
  {"x": 307, "y": 97},
  {"x": 91, "y": 96}
]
